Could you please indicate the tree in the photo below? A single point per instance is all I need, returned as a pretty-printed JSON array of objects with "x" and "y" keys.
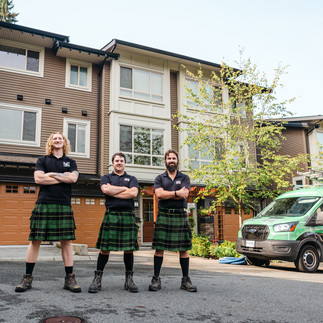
[
  {"x": 233, "y": 147},
  {"x": 6, "y": 6}
]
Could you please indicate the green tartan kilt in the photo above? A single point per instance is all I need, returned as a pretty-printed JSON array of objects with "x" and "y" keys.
[
  {"x": 52, "y": 222},
  {"x": 118, "y": 231},
  {"x": 172, "y": 231}
]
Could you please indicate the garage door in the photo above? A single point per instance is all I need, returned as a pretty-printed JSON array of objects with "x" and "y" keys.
[
  {"x": 18, "y": 200},
  {"x": 16, "y": 204},
  {"x": 88, "y": 214}
]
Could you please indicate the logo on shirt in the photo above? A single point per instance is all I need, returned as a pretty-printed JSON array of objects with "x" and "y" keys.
[
  {"x": 178, "y": 182},
  {"x": 127, "y": 179},
  {"x": 66, "y": 164}
]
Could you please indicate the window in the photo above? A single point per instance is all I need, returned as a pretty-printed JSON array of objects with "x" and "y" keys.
[
  {"x": 148, "y": 206},
  {"x": 29, "y": 189},
  {"x": 210, "y": 96},
  {"x": 75, "y": 200},
  {"x": 228, "y": 210},
  {"x": 142, "y": 146},
  {"x": 19, "y": 125},
  {"x": 317, "y": 217},
  {"x": 198, "y": 157},
  {"x": 298, "y": 181},
  {"x": 78, "y": 75},
  {"x": 11, "y": 188},
  {"x": 320, "y": 140},
  {"x": 78, "y": 133},
  {"x": 90, "y": 201},
  {"x": 20, "y": 58},
  {"x": 141, "y": 84}
]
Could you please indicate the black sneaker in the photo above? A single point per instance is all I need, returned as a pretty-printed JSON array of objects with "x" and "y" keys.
[
  {"x": 187, "y": 285},
  {"x": 25, "y": 283},
  {"x": 155, "y": 284}
]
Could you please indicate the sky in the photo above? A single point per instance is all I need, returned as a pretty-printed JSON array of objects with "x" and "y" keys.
[{"x": 271, "y": 33}]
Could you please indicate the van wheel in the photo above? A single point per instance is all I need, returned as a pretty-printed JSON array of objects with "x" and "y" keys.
[
  {"x": 308, "y": 259},
  {"x": 258, "y": 262}
]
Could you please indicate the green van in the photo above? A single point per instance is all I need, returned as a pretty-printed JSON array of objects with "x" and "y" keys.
[{"x": 290, "y": 228}]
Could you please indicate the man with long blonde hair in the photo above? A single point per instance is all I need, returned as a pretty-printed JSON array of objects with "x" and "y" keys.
[{"x": 52, "y": 218}]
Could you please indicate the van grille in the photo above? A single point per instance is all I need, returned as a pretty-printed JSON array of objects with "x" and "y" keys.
[{"x": 255, "y": 232}]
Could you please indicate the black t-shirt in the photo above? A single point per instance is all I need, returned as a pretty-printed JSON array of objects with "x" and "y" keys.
[
  {"x": 58, "y": 193},
  {"x": 116, "y": 180},
  {"x": 165, "y": 182}
]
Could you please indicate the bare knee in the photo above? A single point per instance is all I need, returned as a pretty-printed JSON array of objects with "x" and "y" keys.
[
  {"x": 65, "y": 243},
  {"x": 159, "y": 253},
  {"x": 183, "y": 254}
]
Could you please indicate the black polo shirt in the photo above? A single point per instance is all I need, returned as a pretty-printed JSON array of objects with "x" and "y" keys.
[
  {"x": 58, "y": 193},
  {"x": 116, "y": 180},
  {"x": 165, "y": 182}
]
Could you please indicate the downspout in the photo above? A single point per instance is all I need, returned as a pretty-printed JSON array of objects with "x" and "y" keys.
[{"x": 98, "y": 119}]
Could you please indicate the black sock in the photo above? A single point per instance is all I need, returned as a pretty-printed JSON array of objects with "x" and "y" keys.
[
  {"x": 128, "y": 261},
  {"x": 102, "y": 261},
  {"x": 185, "y": 265},
  {"x": 30, "y": 267},
  {"x": 68, "y": 270},
  {"x": 158, "y": 261}
]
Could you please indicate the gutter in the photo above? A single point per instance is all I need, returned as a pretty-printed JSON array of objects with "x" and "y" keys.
[
  {"x": 116, "y": 42},
  {"x": 33, "y": 31}
]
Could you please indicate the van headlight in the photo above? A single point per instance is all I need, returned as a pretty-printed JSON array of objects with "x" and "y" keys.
[{"x": 285, "y": 227}]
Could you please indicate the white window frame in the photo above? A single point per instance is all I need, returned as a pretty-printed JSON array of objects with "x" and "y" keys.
[
  {"x": 191, "y": 104},
  {"x": 298, "y": 178},
  {"x": 39, "y": 49},
  {"x": 151, "y": 155},
  {"x": 132, "y": 90},
  {"x": 21, "y": 142},
  {"x": 69, "y": 63},
  {"x": 87, "y": 125}
]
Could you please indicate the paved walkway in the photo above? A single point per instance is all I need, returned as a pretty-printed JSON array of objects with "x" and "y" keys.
[{"x": 145, "y": 256}]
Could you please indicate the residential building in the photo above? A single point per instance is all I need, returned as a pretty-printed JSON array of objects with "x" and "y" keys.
[
  {"x": 304, "y": 135},
  {"x": 119, "y": 98},
  {"x": 48, "y": 84}
]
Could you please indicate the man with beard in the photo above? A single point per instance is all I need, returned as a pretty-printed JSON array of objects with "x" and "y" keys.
[
  {"x": 118, "y": 229},
  {"x": 172, "y": 231}
]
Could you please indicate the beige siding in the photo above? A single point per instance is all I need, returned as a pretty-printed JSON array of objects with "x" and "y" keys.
[
  {"x": 52, "y": 86},
  {"x": 174, "y": 108},
  {"x": 105, "y": 123}
]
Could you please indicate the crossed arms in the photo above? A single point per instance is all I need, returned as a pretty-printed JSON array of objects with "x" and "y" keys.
[
  {"x": 120, "y": 192},
  {"x": 55, "y": 178},
  {"x": 181, "y": 194}
]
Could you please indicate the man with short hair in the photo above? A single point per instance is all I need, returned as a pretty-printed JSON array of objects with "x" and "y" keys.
[
  {"x": 118, "y": 229},
  {"x": 172, "y": 230},
  {"x": 52, "y": 218}
]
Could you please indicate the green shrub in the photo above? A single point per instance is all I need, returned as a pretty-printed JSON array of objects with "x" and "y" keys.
[
  {"x": 203, "y": 247},
  {"x": 200, "y": 246},
  {"x": 191, "y": 221}
]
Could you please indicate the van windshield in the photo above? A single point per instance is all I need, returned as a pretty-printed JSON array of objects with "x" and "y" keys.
[{"x": 293, "y": 206}]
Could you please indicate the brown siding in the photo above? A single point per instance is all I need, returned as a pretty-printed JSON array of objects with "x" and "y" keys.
[
  {"x": 174, "y": 108},
  {"x": 295, "y": 142},
  {"x": 52, "y": 86}
]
